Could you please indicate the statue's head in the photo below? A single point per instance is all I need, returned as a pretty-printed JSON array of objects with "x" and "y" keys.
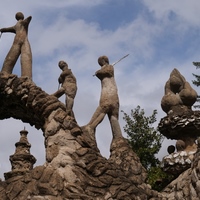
[
  {"x": 103, "y": 60},
  {"x": 19, "y": 15},
  {"x": 62, "y": 64}
]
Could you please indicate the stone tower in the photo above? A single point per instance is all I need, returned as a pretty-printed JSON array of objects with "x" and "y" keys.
[{"x": 21, "y": 161}]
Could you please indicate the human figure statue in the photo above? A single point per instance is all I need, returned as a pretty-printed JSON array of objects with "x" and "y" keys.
[
  {"x": 68, "y": 86},
  {"x": 109, "y": 101},
  {"x": 20, "y": 46}
]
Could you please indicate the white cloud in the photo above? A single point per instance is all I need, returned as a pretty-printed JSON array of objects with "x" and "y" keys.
[{"x": 187, "y": 11}]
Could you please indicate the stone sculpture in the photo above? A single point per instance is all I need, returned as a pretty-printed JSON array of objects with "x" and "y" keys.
[
  {"x": 22, "y": 161},
  {"x": 177, "y": 103},
  {"x": 68, "y": 86},
  {"x": 20, "y": 46},
  {"x": 109, "y": 101},
  {"x": 74, "y": 167},
  {"x": 181, "y": 123},
  {"x": 179, "y": 95}
]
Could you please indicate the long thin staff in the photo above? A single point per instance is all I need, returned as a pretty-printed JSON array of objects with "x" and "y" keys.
[{"x": 118, "y": 61}]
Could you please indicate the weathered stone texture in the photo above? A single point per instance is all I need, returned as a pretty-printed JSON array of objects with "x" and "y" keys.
[
  {"x": 186, "y": 186},
  {"x": 182, "y": 124},
  {"x": 179, "y": 95},
  {"x": 74, "y": 167},
  {"x": 177, "y": 162}
]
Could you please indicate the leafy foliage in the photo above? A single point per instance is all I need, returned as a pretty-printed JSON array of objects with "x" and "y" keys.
[
  {"x": 158, "y": 179},
  {"x": 143, "y": 137},
  {"x": 146, "y": 142},
  {"x": 197, "y": 82}
]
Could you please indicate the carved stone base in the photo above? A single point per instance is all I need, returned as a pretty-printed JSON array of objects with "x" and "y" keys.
[{"x": 178, "y": 162}]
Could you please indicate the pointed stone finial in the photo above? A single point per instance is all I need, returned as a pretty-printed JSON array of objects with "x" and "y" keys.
[{"x": 21, "y": 161}]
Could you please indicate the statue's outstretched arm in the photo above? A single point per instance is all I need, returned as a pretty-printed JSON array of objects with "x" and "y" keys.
[{"x": 9, "y": 29}]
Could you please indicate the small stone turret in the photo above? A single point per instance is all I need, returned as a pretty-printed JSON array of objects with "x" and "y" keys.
[{"x": 21, "y": 161}]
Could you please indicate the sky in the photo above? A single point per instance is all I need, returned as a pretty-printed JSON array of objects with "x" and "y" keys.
[{"x": 158, "y": 36}]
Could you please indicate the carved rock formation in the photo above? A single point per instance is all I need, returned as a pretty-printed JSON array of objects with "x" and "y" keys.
[
  {"x": 177, "y": 162},
  {"x": 181, "y": 123},
  {"x": 74, "y": 167},
  {"x": 179, "y": 95},
  {"x": 186, "y": 186}
]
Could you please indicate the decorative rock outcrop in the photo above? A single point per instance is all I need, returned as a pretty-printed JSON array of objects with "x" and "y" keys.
[
  {"x": 186, "y": 186},
  {"x": 181, "y": 123},
  {"x": 177, "y": 162},
  {"x": 179, "y": 95},
  {"x": 74, "y": 167}
]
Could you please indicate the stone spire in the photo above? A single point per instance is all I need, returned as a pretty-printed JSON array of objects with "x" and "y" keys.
[{"x": 21, "y": 161}]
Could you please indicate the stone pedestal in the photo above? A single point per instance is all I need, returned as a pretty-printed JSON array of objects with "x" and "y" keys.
[
  {"x": 186, "y": 130},
  {"x": 177, "y": 162}
]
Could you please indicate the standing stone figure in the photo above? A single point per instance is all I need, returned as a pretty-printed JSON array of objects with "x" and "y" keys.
[
  {"x": 20, "y": 46},
  {"x": 68, "y": 86},
  {"x": 109, "y": 101}
]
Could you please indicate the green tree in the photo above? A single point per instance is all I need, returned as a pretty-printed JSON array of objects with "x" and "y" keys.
[
  {"x": 143, "y": 137},
  {"x": 196, "y": 81},
  {"x": 146, "y": 142}
]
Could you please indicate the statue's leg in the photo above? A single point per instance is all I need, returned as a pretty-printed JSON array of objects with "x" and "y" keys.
[
  {"x": 97, "y": 117},
  {"x": 113, "y": 118},
  {"x": 116, "y": 130},
  {"x": 26, "y": 60},
  {"x": 11, "y": 59},
  {"x": 69, "y": 104}
]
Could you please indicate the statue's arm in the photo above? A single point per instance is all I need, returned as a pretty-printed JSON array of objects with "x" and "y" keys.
[
  {"x": 107, "y": 71},
  {"x": 59, "y": 92},
  {"x": 28, "y": 19},
  {"x": 9, "y": 29},
  {"x": 66, "y": 73}
]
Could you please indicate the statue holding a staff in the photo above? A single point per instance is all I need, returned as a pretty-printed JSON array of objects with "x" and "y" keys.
[{"x": 109, "y": 100}]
